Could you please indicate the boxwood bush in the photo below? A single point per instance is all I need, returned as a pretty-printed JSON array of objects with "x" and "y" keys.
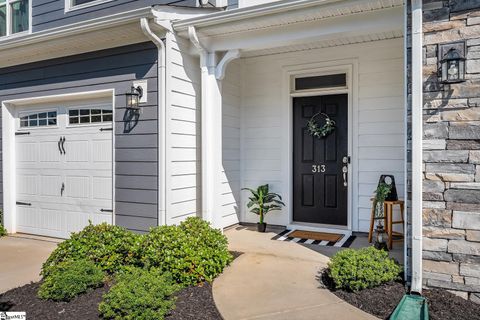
[
  {"x": 139, "y": 294},
  {"x": 68, "y": 279},
  {"x": 192, "y": 252},
  {"x": 109, "y": 247},
  {"x": 364, "y": 268}
]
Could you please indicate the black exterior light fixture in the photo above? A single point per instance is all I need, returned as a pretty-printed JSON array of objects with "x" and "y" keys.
[
  {"x": 133, "y": 97},
  {"x": 452, "y": 63}
]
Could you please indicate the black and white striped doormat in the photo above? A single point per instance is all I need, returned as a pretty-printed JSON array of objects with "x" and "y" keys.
[{"x": 344, "y": 242}]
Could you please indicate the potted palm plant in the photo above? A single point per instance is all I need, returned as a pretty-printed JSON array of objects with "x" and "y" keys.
[{"x": 262, "y": 201}]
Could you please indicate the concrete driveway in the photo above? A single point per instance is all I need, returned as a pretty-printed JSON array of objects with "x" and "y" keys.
[{"x": 21, "y": 259}]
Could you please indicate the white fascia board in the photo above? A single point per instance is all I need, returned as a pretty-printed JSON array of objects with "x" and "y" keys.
[
  {"x": 76, "y": 28},
  {"x": 164, "y": 12},
  {"x": 249, "y": 12},
  {"x": 321, "y": 30}
]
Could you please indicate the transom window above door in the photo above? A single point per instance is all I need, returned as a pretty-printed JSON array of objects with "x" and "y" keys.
[
  {"x": 40, "y": 119},
  {"x": 14, "y": 17},
  {"x": 86, "y": 115},
  {"x": 320, "y": 82}
]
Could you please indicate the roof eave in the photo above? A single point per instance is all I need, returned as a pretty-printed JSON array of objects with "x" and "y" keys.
[{"x": 248, "y": 13}]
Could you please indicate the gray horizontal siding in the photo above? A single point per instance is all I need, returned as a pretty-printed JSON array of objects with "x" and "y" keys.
[
  {"x": 232, "y": 4},
  {"x": 50, "y": 14},
  {"x": 136, "y": 143}
]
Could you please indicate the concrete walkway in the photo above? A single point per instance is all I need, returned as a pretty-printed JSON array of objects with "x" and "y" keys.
[
  {"x": 21, "y": 259},
  {"x": 276, "y": 280}
]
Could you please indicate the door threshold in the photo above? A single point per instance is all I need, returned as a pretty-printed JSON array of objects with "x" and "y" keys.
[{"x": 319, "y": 228}]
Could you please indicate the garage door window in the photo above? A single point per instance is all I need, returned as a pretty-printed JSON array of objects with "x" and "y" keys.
[
  {"x": 40, "y": 119},
  {"x": 86, "y": 116}
]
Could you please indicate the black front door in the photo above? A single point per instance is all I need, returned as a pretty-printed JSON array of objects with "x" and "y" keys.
[{"x": 319, "y": 188}]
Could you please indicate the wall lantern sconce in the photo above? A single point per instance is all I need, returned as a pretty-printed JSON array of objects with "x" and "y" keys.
[
  {"x": 133, "y": 97},
  {"x": 452, "y": 64}
]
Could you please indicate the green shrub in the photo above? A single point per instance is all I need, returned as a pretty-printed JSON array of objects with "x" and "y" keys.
[
  {"x": 110, "y": 247},
  {"x": 192, "y": 252},
  {"x": 3, "y": 231},
  {"x": 139, "y": 294},
  {"x": 68, "y": 279},
  {"x": 364, "y": 268}
]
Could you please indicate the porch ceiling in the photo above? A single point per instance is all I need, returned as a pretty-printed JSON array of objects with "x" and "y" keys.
[{"x": 325, "y": 44}]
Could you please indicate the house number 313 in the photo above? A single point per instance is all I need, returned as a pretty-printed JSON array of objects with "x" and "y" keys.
[{"x": 318, "y": 168}]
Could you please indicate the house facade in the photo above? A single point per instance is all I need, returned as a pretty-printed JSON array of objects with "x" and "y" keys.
[{"x": 227, "y": 89}]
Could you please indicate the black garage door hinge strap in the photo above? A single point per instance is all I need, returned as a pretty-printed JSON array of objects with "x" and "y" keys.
[
  {"x": 106, "y": 129},
  {"x": 106, "y": 210},
  {"x": 22, "y": 133},
  {"x": 23, "y": 203}
]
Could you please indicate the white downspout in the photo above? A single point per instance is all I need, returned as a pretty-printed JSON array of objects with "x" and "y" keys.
[
  {"x": 162, "y": 107},
  {"x": 417, "y": 145},
  {"x": 405, "y": 151}
]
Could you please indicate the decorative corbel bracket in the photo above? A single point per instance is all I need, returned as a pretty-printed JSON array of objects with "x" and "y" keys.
[{"x": 229, "y": 56}]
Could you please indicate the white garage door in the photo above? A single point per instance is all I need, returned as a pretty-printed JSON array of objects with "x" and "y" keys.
[{"x": 63, "y": 168}]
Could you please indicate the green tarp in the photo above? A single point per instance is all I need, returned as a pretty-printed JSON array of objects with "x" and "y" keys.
[{"x": 411, "y": 307}]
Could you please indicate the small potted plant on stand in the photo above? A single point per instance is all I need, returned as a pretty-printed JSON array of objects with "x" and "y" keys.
[
  {"x": 383, "y": 190},
  {"x": 263, "y": 201}
]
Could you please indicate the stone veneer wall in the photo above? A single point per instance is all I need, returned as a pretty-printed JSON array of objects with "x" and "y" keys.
[{"x": 451, "y": 188}]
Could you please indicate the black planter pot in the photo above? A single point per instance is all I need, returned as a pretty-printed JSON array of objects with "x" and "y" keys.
[{"x": 261, "y": 227}]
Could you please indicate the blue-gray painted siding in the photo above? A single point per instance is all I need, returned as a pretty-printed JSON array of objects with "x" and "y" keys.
[
  {"x": 232, "y": 4},
  {"x": 136, "y": 178},
  {"x": 50, "y": 14}
]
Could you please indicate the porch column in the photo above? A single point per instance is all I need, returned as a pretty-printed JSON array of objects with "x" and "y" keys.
[{"x": 211, "y": 140}]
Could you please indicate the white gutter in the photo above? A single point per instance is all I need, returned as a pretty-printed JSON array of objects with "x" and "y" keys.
[
  {"x": 162, "y": 107},
  {"x": 417, "y": 145},
  {"x": 76, "y": 28}
]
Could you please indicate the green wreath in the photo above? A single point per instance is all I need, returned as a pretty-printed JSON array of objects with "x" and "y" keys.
[{"x": 320, "y": 132}]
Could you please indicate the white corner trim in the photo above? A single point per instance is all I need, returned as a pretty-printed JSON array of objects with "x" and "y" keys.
[
  {"x": 222, "y": 65},
  {"x": 417, "y": 147},
  {"x": 8, "y": 168}
]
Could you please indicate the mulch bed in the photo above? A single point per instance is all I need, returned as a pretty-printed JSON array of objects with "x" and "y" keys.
[
  {"x": 193, "y": 303},
  {"x": 382, "y": 300}
]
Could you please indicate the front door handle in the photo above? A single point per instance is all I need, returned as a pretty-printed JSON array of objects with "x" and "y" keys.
[{"x": 345, "y": 171}]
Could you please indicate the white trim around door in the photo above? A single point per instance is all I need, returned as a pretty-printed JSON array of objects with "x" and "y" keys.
[
  {"x": 350, "y": 68},
  {"x": 9, "y": 127}
]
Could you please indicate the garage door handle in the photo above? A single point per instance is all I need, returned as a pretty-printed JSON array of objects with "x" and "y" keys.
[
  {"x": 23, "y": 203},
  {"x": 63, "y": 145},
  {"x": 106, "y": 210},
  {"x": 59, "y": 147}
]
